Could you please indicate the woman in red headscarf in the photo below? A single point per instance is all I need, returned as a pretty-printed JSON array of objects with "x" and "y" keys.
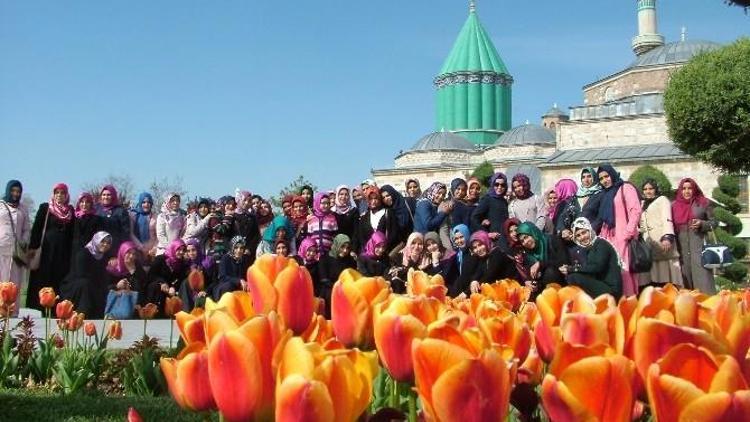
[
  {"x": 51, "y": 236},
  {"x": 693, "y": 218}
]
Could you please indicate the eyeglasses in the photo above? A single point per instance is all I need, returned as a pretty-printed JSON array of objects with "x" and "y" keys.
[{"x": 500, "y": 185}]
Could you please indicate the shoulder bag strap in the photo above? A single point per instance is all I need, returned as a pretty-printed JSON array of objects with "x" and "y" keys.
[
  {"x": 12, "y": 223},
  {"x": 44, "y": 229}
]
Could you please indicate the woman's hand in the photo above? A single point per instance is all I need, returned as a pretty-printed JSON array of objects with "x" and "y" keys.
[
  {"x": 531, "y": 284},
  {"x": 494, "y": 235},
  {"x": 665, "y": 245},
  {"x": 563, "y": 269},
  {"x": 534, "y": 270},
  {"x": 165, "y": 288},
  {"x": 486, "y": 222},
  {"x": 243, "y": 285},
  {"x": 171, "y": 291},
  {"x": 695, "y": 224},
  {"x": 566, "y": 234},
  {"x": 123, "y": 284},
  {"x": 474, "y": 286}
]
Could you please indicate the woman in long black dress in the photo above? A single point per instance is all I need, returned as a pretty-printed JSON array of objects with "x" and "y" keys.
[
  {"x": 86, "y": 223},
  {"x": 53, "y": 232},
  {"x": 166, "y": 273},
  {"x": 116, "y": 217},
  {"x": 232, "y": 269},
  {"x": 86, "y": 284}
]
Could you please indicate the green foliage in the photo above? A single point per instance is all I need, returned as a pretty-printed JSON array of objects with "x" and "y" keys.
[
  {"x": 732, "y": 224},
  {"x": 729, "y": 185},
  {"x": 8, "y": 360},
  {"x": 736, "y": 272},
  {"x": 737, "y": 246},
  {"x": 707, "y": 104},
  {"x": 77, "y": 367},
  {"x": 142, "y": 376},
  {"x": 292, "y": 188},
  {"x": 730, "y": 203},
  {"x": 483, "y": 173},
  {"x": 43, "y": 360},
  {"x": 643, "y": 173}
]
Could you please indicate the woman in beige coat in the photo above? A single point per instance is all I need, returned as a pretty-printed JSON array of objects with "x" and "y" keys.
[{"x": 657, "y": 229}]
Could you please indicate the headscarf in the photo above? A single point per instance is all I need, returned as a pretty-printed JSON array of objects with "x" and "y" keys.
[
  {"x": 171, "y": 254},
  {"x": 399, "y": 206},
  {"x": 239, "y": 197},
  {"x": 306, "y": 244},
  {"x": 406, "y": 252},
  {"x": 431, "y": 192},
  {"x": 455, "y": 183},
  {"x": 682, "y": 209},
  {"x": 201, "y": 260},
  {"x": 7, "y": 197},
  {"x": 304, "y": 188},
  {"x": 657, "y": 192},
  {"x": 368, "y": 182},
  {"x": 167, "y": 212},
  {"x": 583, "y": 223},
  {"x": 338, "y": 241},
  {"x": 371, "y": 190},
  {"x": 316, "y": 205},
  {"x": 264, "y": 219},
  {"x": 63, "y": 212},
  {"x": 96, "y": 240},
  {"x": 483, "y": 237},
  {"x": 143, "y": 218},
  {"x": 299, "y": 219},
  {"x": 377, "y": 238},
  {"x": 284, "y": 241},
  {"x": 115, "y": 200},
  {"x": 491, "y": 191},
  {"x": 436, "y": 237},
  {"x": 278, "y": 222},
  {"x": 469, "y": 182},
  {"x": 607, "y": 207},
  {"x": 236, "y": 240},
  {"x": 524, "y": 181},
  {"x": 287, "y": 199},
  {"x": 539, "y": 253},
  {"x": 120, "y": 270},
  {"x": 419, "y": 187},
  {"x": 512, "y": 221},
  {"x": 464, "y": 230},
  {"x": 79, "y": 212},
  {"x": 342, "y": 207},
  {"x": 591, "y": 190},
  {"x": 564, "y": 189}
]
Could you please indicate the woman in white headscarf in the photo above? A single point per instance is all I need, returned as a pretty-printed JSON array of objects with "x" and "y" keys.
[
  {"x": 598, "y": 272},
  {"x": 170, "y": 224},
  {"x": 86, "y": 283}
]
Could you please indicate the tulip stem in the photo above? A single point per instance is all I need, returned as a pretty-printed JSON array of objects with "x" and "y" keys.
[
  {"x": 46, "y": 324},
  {"x": 412, "y": 406},
  {"x": 394, "y": 394},
  {"x": 171, "y": 329},
  {"x": 144, "y": 327}
]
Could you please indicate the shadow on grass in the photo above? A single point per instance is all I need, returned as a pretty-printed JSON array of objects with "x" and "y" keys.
[{"x": 40, "y": 406}]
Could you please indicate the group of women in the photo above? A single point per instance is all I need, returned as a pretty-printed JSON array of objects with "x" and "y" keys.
[{"x": 576, "y": 233}]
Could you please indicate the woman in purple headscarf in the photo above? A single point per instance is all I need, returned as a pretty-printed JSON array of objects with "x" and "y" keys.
[
  {"x": 373, "y": 261},
  {"x": 116, "y": 217},
  {"x": 128, "y": 273},
  {"x": 166, "y": 273},
  {"x": 566, "y": 209}
]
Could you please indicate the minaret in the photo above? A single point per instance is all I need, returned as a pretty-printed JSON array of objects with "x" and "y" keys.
[{"x": 648, "y": 36}]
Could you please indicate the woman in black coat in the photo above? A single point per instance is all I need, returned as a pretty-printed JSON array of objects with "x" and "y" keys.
[
  {"x": 86, "y": 222},
  {"x": 347, "y": 215},
  {"x": 116, "y": 217},
  {"x": 53, "y": 233},
  {"x": 86, "y": 284},
  {"x": 332, "y": 265},
  {"x": 492, "y": 210},
  {"x": 377, "y": 218},
  {"x": 373, "y": 261},
  {"x": 490, "y": 264},
  {"x": 232, "y": 269},
  {"x": 166, "y": 273}
]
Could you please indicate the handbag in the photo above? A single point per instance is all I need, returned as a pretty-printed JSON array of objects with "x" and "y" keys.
[
  {"x": 36, "y": 254},
  {"x": 715, "y": 255},
  {"x": 121, "y": 304},
  {"x": 641, "y": 259},
  {"x": 20, "y": 249}
]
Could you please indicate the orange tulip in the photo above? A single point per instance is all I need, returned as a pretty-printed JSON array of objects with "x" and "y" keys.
[
  {"x": 115, "y": 330},
  {"x": 692, "y": 383},
  {"x": 89, "y": 328},
  {"x": 594, "y": 388},
  {"x": 530, "y": 372},
  {"x": 510, "y": 292},
  {"x": 551, "y": 300},
  {"x": 148, "y": 311},
  {"x": 278, "y": 283},
  {"x": 455, "y": 385},
  {"x": 172, "y": 305},
  {"x": 319, "y": 331},
  {"x": 323, "y": 385},
  {"x": 421, "y": 283},
  {"x": 74, "y": 322},
  {"x": 64, "y": 309},
  {"x": 192, "y": 326},
  {"x": 238, "y": 304},
  {"x": 8, "y": 293},
  {"x": 352, "y": 299},
  {"x": 510, "y": 333},
  {"x": 546, "y": 339},
  {"x": 187, "y": 377},
  {"x": 47, "y": 297}
]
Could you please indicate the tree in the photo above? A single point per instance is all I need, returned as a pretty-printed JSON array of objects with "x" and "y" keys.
[
  {"x": 642, "y": 173},
  {"x": 123, "y": 184},
  {"x": 161, "y": 187},
  {"x": 745, "y": 4},
  {"x": 292, "y": 188},
  {"x": 483, "y": 172},
  {"x": 707, "y": 104},
  {"x": 730, "y": 226}
]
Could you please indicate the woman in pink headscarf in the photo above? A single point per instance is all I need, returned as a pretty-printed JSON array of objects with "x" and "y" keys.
[
  {"x": 693, "y": 219},
  {"x": 322, "y": 226},
  {"x": 565, "y": 209},
  {"x": 116, "y": 217}
]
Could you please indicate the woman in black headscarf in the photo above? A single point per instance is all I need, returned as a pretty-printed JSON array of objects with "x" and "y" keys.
[
  {"x": 396, "y": 202},
  {"x": 492, "y": 210}
]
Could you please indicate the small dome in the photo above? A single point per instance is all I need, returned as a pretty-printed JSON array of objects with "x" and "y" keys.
[
  {"x": 527, "y": 134},
  {"x": 442, "y": 140},
  {"x": 554, "y": 112},
  {"x": 675, "y": 52}
]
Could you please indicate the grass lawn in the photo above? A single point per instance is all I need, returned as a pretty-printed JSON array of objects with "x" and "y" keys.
[{"x": 40, "y": 406}]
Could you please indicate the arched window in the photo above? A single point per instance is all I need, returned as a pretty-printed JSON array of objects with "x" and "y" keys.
[{"x": 609, "y": 94}]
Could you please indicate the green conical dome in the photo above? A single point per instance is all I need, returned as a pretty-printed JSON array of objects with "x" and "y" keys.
[{"x": 474, "y": 87}]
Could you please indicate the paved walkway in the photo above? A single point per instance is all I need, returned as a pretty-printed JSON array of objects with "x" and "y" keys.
[{"x": 132, "y": 329}]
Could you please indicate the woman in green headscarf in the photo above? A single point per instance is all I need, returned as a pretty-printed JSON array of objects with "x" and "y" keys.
[{"x": 543, "y": 256}]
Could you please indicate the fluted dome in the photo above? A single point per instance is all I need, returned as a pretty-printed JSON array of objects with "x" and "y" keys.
[
  {"x": 442, "y": 140},
  {"x": 527, "y": 134},
  {"x": 676, "y": 52}
]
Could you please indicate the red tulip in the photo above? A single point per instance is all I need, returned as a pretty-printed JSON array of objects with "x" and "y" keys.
[
  {"x": 196, "y": 280},
  {"x": 172, "y": 305},
  {"x": 74, "y": 322},
  {"x": 115, "y": 330},
  {"x": 47, "y": 297},
  {"x": 64, "y": 309},
  {"x": 352, "y": 299},
  {"x": 8, "y": 293},
  {"x": 187, "y": 377},
  {"x": 133, "y": 415},
  {"x": 148, "y": 311},
  {"x": 90, "y": 329}
]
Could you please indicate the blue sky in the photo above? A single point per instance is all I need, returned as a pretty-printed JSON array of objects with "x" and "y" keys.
[{"x": 253, "y": 93}]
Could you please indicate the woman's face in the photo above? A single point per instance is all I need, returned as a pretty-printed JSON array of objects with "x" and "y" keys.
[
  {"x": 552, "y": 199},
  {"x": 518, "y": 189},
  {"x": 527, "y": 242},
  {"x": 474, "y": 190},
  {"x": 146, "y": 205},
  {"x": 247, "y": 202},
  {"x": 460, "y": 191},
  {"x": 373, "y": 201},
  {"x": 479, "y": 249},
  {"x": 15, "y": 193},
  {"x": 648, "y": 191},
  {"x": 513, "y": 233},
  {"x": 180, "y": 252},
  {"x": 343, "y": 196},
  {"x": 500, "y": 187},
  {"x": 345, "y": 249},
  {"x": 229, "y": 207},
  {"x": 280, "y": 234},
  {"x": 86, "y": 204},
  {"x": 325, "y": 204},
  {"x": 605, "y": 179},
  {"x": 311, "y": 253},
  {"x": 255, "y": 203},
  {"x": 174, "y": 203},
  {"x": 106, "y": 197},
  {"x": 687, "y": 190},
  {"x": 379, "y": 250},
  {"x": 104, "y": 245},
  {"x": 583, "y": 236},
  {"x": 587, "y": 180},
  {"x": 298, "y": 208},
  {"x": 282, "y": 249},
  {"x": 238, "y": 250},
  {"x": 357, "y": 195},
  {"x": 387, "y": 198},
  {"x": 192, "y": 252},
  {"x": 265, "y": 209},
  {"x": 439, "y": 196},
  {"x": 412, "y": 189},
  {"x": 130, "y": 257},
  {"x": 307, "y": 194},
  {"x": 459, "y": 240},
  {"x": 286, "y": 207},
  {"x": 59, "y": 196},
  {"x": 432, "y": 246},
  {"x": 203, "y": 210},
  {"x": 417, "y": 246}
]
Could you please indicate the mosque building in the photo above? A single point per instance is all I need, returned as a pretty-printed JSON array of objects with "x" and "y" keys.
[{"x": 621, "y": 120}]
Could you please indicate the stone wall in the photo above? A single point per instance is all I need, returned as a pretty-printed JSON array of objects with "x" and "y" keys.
[
  {"x": 635, "y": 81},
  {"x": 642, "y": 130}
]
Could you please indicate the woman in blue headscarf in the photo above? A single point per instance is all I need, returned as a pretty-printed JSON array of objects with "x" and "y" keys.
[{"x": 143, "y": 224}]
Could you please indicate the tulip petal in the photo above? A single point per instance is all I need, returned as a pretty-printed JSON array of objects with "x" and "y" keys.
[
  {"x": 568, "y": 354},
  {"x": 299, "y": 399},
  {"x": 191, "y": 374},
  {"x": 296, "y": 298},
  {"x": 584, "y": 329},
  {"x": 691, "y": 363},
  {"x": 393, "y": 338},
  {"x": 351, "y": 314},
  {"x": 668, "y": 395},
  {"x": 234, "y": 371},
  {"x": 728, "y": 378},
  {"x": 432, "y": 358},
  {"x": 561, "y": 404},
  {"x": 718, "y": 407},
  {"x": 596, "y": 380}
]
